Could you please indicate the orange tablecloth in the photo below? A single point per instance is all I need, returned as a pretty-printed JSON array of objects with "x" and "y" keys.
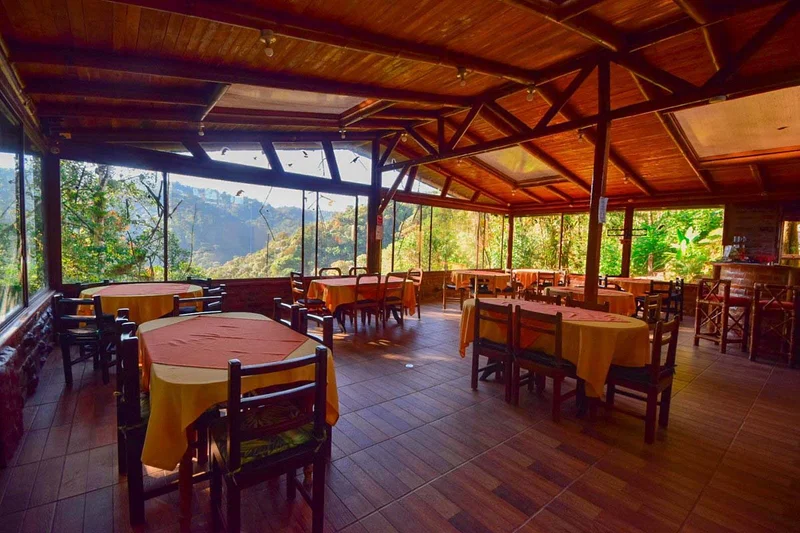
[
  {"x": 620, "y": 302},
  {"x": 497, "y": 280},
  {"x": 180, "y": 391},
  {"x": 527, "y": 276},
  {"x": 338, "y": 291},
  {"x": 591, "y": 340},
  {"x": 635, "y": 286},
  {"x": 146, "y": 301}
]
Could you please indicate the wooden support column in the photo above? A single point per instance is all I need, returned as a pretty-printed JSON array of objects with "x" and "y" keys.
[
  {"x": 51, "y": 205},
  {"x": 373, "y": 242},
  {"x": 627, "y": 241},
  {"x": 510, "y": 252},
  {"x": 598, "y": 182}
]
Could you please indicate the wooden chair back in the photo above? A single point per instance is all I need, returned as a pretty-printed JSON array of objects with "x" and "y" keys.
[
  {"x": 665, "y": 288},
  {"x": 330, "y": 272},
  {"x": 664, "y": 334},
  {"x": 368, "y": 287},
  {"x": 302, "y": 393},
  {"x": 196, "y": 280},
  {"x": 65, "y": 313},
  {"x": 354, "y": 271},
  {"x": 572, "y": 302},
  {"x": 129, "y": 411},
  {"x": 492, "y": 313},
  {"x": 547, "y": 279},
  {"x": 394, "y": 286},
  {"x": 713, "y": 291},
  {"x": 543, "y": 298},
  {"x": 415, "y": 275},
  {"x": 209, "y": 305},
  {"x": 298, "y": 287},
  {"x": 325, "y": 324},
  {"x": 285, "y": 313},
  {"x": 542, "y": 324},
  {"x": 651, "y": 308}
]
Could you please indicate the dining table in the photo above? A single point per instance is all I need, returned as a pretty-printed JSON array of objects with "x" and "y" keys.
[
  {"x": 530, "y": 276},
  {"x": 146, "y": 301},
  {"x": 497, "y": 280},
  {"x": 619, "y": 302},
  {"x": 185, "y": 371},
  {"x": 338, "y": 291},
  {"x": 635, "y": 286},
  {"x": 591, "y": 340}
]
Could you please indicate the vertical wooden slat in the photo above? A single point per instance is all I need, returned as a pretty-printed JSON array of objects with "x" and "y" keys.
[{"x": 627, "y": 242}]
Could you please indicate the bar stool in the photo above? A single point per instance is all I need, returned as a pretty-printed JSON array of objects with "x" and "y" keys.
[
  {"x": 715, "y": 318},
  {"x": 774, "y": 324}
]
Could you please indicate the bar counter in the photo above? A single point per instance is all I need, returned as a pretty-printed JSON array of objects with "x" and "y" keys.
[{"x": 744, "y": 275}]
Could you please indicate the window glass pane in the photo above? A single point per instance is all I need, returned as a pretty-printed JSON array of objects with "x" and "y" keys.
[
  {"x": 425, "y": 246},
  {"x": 493, "y": 241},
  {"x": 34, "y": 222},
  {"x": 303, "y": 158},
  {"x": 354, "y": 160},
  {"x": 249, "y": 154},
  {"x": 536, "y": 242},
  {"x": 790, "y": 243},
  {"x": 111, "y": 219},
  {"x": 611, "y": 245},
  {"x": 229, "y": 230},
  {"x": 361, "y": 235},
  {"x": 408, "y": 237},
  {"x": 573, "y": 247},
  {"x": 336, "y": 231},
  {"x": 311, "y": 203},
  {"x": 676, "y": 242},
  {"x": 454, "y": 238},
  {"x": 10, "y": 241}
]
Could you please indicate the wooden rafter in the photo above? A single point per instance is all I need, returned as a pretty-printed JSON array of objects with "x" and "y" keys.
[
  {"x": 696, "y": 9},
  {"x": 412, "y": 176},
  {"x": 330, "y": 158},
  {"x": 390, "y": 148},
  {"x": 363, "y": 110},
  {"x": 272, "y": 156},
  {"x": 143, "y": 135},
  {"x": 716, "y": 43},
  {"x": 671, "y": 128},
  {"x": 333, "y": 34},
  {"x": 557, "y": 105},
  {"x": 428, "y": 147},
  {"x": 446, "y": 186},
  {"x": 759, "y": 178},
  {"x": 393, "y": 189},
  {"x": 654, "y": 75},
  {"x": 216, "y": 95},
  {"x": 81, "y": 89},
  {"x": 196, "y": 150},
  {"x": 464, "y": 126}
]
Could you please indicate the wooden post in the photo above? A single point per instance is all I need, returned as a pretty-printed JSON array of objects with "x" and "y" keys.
[
  {"x": 165, "y": 214},
  {"x": 374, "y": 200},
  {"x": 598, "y": 182},
  {"x": 627, "y": 241},
  {"x": 51, "y": 202},
  {"x": 510, "y": 252}
]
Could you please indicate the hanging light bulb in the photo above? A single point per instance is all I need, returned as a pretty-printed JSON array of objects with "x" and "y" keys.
[
  {"x": 268, "y": 38},
  {"x": 462, "y": 76},
  {"x": 531, "y": 90},
  {"x": 201, "y": 131},
  {"x": 580, "y": 135},
  {"x": 403, "y": 137},
  {"x": 459, "y": 161},
  {"x": 343, "y": 133},
  {"x": 625, "y": 178}
]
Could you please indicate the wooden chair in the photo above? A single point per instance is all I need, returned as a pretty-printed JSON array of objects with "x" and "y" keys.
[
  {"x": 330, "y": 272},
  {"x": 543, "y": 298},
  {"x": 196, "y": 280},
  {"x": 281, "y": 310},
  {"x": 355, "y": 271},
  {"x": 774, "y": 324},
  {"x": 214, "y": 290},
  {"x": 300, "y": 295},
  {"x": 452, "y": 289},
  {"x": 651, "y": 380},
  {"x": 267, "y": 436},
  {"x": 415, "y": 275},
  {"x": 208, "y": 305},
  {"x": 540, "y": 364},
  {"x": 499, "y": 354},
  {"x": 563, "y": 278},
  {"x": 133, "y": 413},
  {"x": 651, "y": 309},
  {"x": 92, "y": 334},
  {"x": 92, "y": 284},
  {"x": 392, "y": 296},
  {"x": 367, "y": 300},
  {"x": 570, "y": 301},
  {"x": 482, "y": 287},
  {"x": 324, "y": 323},
  {"x": 667, "y": 290},
  {"x": 513, "y": 288},
  {"x": 546, "y": 279},
  {"x": 714, "y": 319}
]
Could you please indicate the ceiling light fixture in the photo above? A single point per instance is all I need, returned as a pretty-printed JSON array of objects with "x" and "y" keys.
[
  {"x": 531, "y": 90},
  {"x": 343, "y": 133},
  {"x": 201, "y": 130},
  {"x": 580, "y": 135},
  {"x": 268, "y": 38},
  {"x": 462, "y": 76},
  {"x": 403, "y": 137}
]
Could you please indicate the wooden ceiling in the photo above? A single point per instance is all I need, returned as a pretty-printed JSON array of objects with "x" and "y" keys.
[{"x": 152, "y": 70}]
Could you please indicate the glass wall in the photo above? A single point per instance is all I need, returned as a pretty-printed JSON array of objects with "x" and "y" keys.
[
  {"x": 11, "y": 286},
  {"x": 34, "y": 219},
  {"x": 536, "y": 242},
  {"x": 611, "y": 244}
]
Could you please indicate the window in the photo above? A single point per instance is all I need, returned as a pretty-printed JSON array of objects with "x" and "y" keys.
[
  {"x": 337, "y": 225},
  {"x": 408, "y": 237},
  {"x": 112, "y": 224},
  {"x": 34, "y": 221},
  {"x": 611, "y": 245},
  {"x": 11, "y": 288},
  {"x": 455, "y": 234},
  {"x": 493, "y": 240},
  {"x": 536, "y": 242},
  {"x": 790, "y": 243},
  {"x": 676, "y": 242},
  {"x": 574, "y": 242}
]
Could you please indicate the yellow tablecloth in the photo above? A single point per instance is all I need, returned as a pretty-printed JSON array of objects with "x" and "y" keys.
[
  {"x": 619, "y": 302},
  {"x": 497, "y": 280},
  {"x": 338, "y": 291},
  {"x": 635, "y": 286},
  {"x": 156, "y": 301},
  {"x": 180, "y": 394},
  {"x": 591, "y": 346}
]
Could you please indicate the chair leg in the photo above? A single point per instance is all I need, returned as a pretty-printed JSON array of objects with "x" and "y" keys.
[
  {"x": 650, "y": 418},
  {"x": 507, "y": 365},
  {"x": 610, "y": 393},
  {"x": 234, "y": 511},
  {"x": 328, "y": 441},
  {"x": 216, "y": 495},
  {"x": 556, "y": 399},
  {"x": 105, "y": 358},
  {"x": 67, "y": 358},
  {"x": 135, "y": 483},
  {"x": 318, "y": 495},
  {"x": 515, "y": 370},
  {"x": 663, "y": 411},
  {"x": 723, "y": 345},
  {"x": 122, "y": 455},
  {"x": 291, "y": 487},
  {"x": 475, "y": 365}
]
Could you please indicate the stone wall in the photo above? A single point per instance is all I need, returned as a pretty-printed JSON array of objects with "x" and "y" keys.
[{"x": 25, "y": 345}]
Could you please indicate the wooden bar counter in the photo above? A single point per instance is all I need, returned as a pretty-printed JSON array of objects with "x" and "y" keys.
[{"x": 745, "y": 275}]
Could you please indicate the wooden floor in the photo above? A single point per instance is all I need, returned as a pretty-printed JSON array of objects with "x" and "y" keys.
[{"x": 416, "y": 450}]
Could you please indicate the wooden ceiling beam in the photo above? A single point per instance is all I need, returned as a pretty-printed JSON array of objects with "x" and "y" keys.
[
  {"x": 196, "y": 150},
  {"x": 446, "y": 186},
  {"x": 654, "y": 75},
  {"x": 755, "y": 43},
  {"x": 559, "y": 193},
  {"x": 172, "y": 68},
  {"x": 412, "y": 175},
  {"x": 716, "y": 43},
  {"x": 758, "y": 176},
  {"x": 697, "y": 10},
  {"x": 272, "y": 156},
  {"x": 572, "y": 8},
  {"x": 216, "y": 95},
  {"x": 327, "y": 32},
  {"x": 409, "y": 114},
  {"x": 390, "y": 148},
  {"x": 450, "y": 203},
  {"x": 557, "y": 104},
  {"x": 700, "y": 96},
  {"x": 464, "y": 126},
  {"x": 508, "y": 124},
  {"x": 147, "y": 136},
  {"x": 364, "y": 110},
  {"x": 424, "y": 144},
  {"x": 392, "y": 190},
  {"x": 672, "y": 130},
  {"x": 81, "y": 89}
]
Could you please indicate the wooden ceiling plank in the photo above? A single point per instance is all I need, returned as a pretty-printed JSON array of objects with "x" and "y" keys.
[
  {"x": 60, "y": 87},
  {"x": 333, "y": 34},
  {"x": 172, "y": 68},
  {"x": 755, "y": 43},
  {"x": 213, "y": 99},
  {"x": 572, "y": 8},
  {"x": 672, "y": 130},
  {"x": 559, "y": 193},
  {"x": 557, "y": 105},
  {"x": 464, "y": 126}
]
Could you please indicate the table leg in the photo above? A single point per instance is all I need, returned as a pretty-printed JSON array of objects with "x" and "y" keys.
[{"x": 185, "y": 472}]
